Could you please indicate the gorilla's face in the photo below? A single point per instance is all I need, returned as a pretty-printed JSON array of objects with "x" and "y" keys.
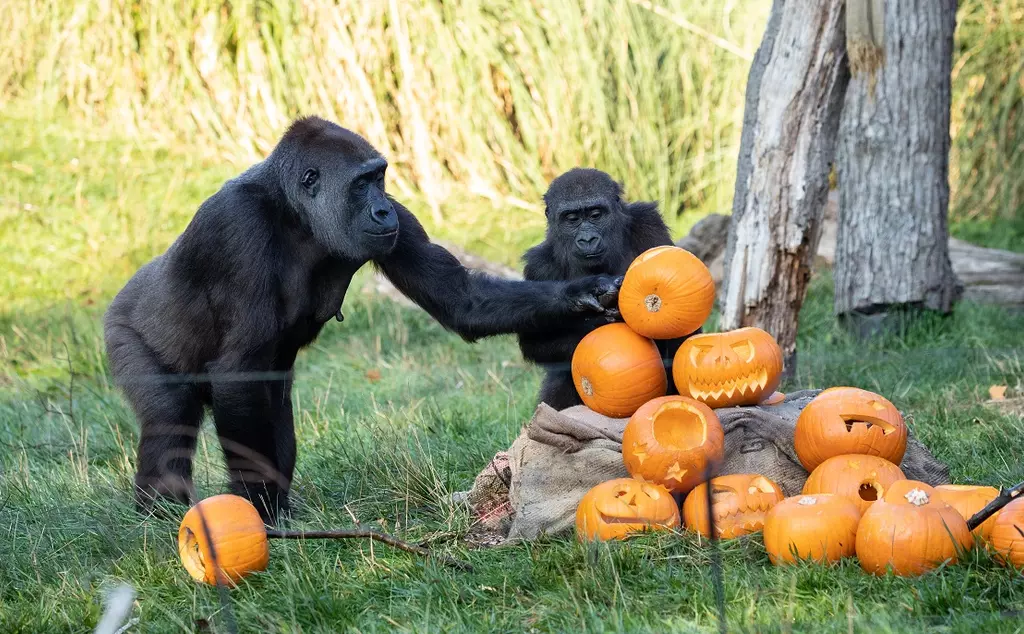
[
  {"x": 586, "y": 223},
  {"x": 335, "y": 181}
]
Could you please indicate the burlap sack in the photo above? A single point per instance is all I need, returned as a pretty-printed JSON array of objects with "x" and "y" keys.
[{"x": 533, "y": 489}]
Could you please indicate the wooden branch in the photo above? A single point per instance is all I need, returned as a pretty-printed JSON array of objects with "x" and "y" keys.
[
  {"x": 1005, "y": 497},
  {"x": 364, "y": 533}
]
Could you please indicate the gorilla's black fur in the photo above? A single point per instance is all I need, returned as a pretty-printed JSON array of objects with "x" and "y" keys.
[
  {"x": 591, "y": 230},
  {"x": 217, "y": 320}
]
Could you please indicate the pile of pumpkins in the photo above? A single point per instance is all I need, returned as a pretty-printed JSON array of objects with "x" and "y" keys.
[{"x": 856, "y": 500}]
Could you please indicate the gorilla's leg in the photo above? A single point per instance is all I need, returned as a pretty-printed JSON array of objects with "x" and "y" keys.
[
  {"x": 558, "y": 390},
  {"x": 170, "y": 413},
  {"x": 255, "y": 434}
]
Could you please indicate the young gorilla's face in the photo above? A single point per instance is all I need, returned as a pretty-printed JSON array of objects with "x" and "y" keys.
[
  {"x": 336, "y": 182},
  {"x": 585, "y": 220}
]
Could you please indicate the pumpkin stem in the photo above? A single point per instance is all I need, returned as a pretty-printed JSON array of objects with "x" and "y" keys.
[
  {"x": 807, "y": 501},
  {"x": 653, "y": 303},
  {"x": 917, "y": 497}
]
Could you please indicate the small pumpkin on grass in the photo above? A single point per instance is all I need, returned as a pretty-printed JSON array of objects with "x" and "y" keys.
[
  {"x": 1007, "y": 536},
  {"x": 724, "y": 369},
  {"x": 672, "y": 440},
  {"x": 849, "y": 420},
  {"x": 821, "y": 528},
  {"x": 863, "y": 479},
  {"x": 667, "y": 292},
  {"x": 968, "y": 500},
  {"x": 222, "y": 539},
  {"x": 910, "y": 531},
  {"x": 616, "y": 370},
  {"x": 614, "y": 509},
  {"x": 739, "y": 502}
]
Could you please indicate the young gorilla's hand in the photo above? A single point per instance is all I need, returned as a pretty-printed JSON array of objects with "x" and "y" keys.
[{"x": 597, "y": 293}]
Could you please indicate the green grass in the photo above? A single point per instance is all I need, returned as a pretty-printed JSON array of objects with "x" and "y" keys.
[{"x": 391, "y": 451}]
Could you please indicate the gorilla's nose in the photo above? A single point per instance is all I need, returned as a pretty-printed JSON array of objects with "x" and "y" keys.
[
  {"x": 385, "y": 218},
  {"x": 588, "y": 243}
]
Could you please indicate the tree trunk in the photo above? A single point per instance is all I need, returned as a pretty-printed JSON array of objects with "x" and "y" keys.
[
  {"x": 893, "y": 164},
  {"x": 794, "y": 96}
]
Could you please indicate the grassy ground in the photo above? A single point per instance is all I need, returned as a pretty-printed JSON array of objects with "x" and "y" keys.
[{"x": 77, "y": 215}]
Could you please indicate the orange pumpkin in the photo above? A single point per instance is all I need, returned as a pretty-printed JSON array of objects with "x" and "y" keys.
[
  {"x": 862, "y": 479},
  {"x": 911, "y": 531},
  {"x": 616, "y": 370},
  {"x": 613, "y": 509},
  {"x": 844, "y": 420},
  {"x": 968, "y": 500},
  {"x": 672, "y": 440},
  {"x": 1007, "y": 536},
  {"x": 222, "y": 539},
  {"x": 667, "y": 292},
  {"x": 738, "y": 502},
  {"x": 724, "y": 369},
  {"x": 820, "y": 528}
]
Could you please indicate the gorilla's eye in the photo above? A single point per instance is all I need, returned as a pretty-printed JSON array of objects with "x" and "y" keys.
[
  {"x": 310, "y": 178},
  {"x": 573, "y": 217},
  {"x": 595, "y": 213}
]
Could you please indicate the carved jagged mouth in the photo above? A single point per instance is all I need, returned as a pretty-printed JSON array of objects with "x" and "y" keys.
[
  {"x": 852, "y": 421},
  {"x": 703, "y": 389},
  {"x": 750, "y": 519}
]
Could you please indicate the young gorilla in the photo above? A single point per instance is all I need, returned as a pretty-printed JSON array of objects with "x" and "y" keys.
[
  {"x": 259, "y": 270},
  {"x": 591, "y": 231}
]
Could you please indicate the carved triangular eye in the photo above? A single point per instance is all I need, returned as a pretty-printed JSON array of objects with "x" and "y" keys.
[
  {"x": 744, "y": 350},
  {"x": 878, "y": 407},
  {"x": 760, "y": 485},
  {"x": 698, "y": 352},
  {"x": 719, "y": 492},
  {"x": 650, "y": 491}
]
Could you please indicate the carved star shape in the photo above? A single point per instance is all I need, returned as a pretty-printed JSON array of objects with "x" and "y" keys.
[
  {"x": 640, "y": 451},
  {"x": 675, "y": 472}
]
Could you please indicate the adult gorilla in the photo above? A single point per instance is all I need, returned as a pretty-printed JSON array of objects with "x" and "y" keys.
[
  {"x": 259, "y": 270},
  {"x": 591, "y": 231}
]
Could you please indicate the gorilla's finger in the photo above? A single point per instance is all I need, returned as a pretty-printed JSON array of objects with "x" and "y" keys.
[{"x": 589, "y": 302}]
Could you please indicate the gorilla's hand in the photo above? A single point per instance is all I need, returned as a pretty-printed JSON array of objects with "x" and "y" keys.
[{"x": 597, "y": 293}]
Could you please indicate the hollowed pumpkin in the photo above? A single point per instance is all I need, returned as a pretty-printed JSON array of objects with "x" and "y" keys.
[
  {"x": 863, "y": 479},
  {"x": 845, "y": 420},
  {"x": 667, "y": 292},
  {"x": 616, "y": 370},
  {"x": 724, "y": 369},
  {"x": 821, "y": 528},
  {"x": 968, "y": 500},
  {"x": 613, "y": 509},
  {"x": 672, "y": 440},
  {"x": 222, "y": 539},
  {"x": 1007, "y": 536},
  {"x": 738, "y": 504},
  {"x": 911, "y": 531}
]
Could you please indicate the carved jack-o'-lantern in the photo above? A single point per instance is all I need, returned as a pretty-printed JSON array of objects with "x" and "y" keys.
[
  {"x": 739, "y": 503},
  {"x": 613, "y": 509},
  {"x": 739, "y": 367},
  {"x": 863, "y": 479},
  {"x": 672, "y": 440},
  {"x": 844, "y": 420}
]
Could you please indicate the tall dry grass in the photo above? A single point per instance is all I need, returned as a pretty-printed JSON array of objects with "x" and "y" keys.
[
  {"x": 475, "y": 99},
  {"x": 480, "y": 98}
]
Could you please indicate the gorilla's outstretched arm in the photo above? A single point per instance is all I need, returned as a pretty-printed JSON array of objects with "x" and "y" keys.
[{"x": 476, "y": 305}]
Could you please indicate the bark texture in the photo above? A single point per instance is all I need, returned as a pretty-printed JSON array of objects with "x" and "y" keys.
[
  {"x": 893, "y": 164},
  {"x": 794, "y": 95}
]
